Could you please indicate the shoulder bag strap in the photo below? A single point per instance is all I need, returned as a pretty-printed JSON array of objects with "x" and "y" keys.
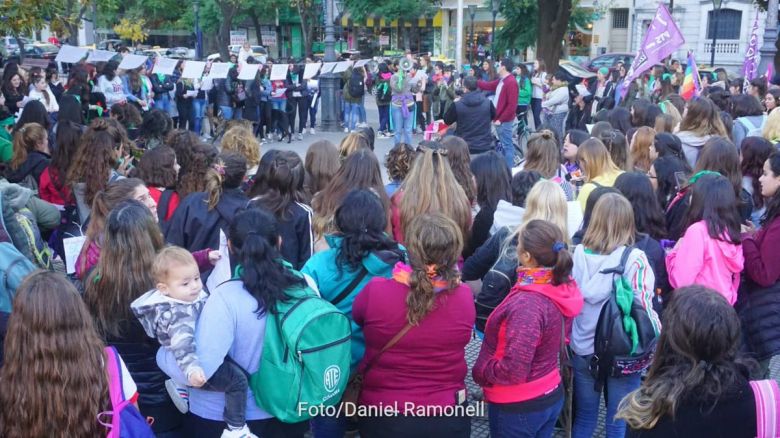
[
  {"x": 113, "y": 369},
  {"x": 164, "y": 205},
  {"x": 351, "y": 286},
  {"x": 387, "y": 346},
  {"x": 767, "y": 397}
]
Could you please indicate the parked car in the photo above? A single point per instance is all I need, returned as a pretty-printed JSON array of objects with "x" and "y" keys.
[
  {"x": 180, "y": 53},
  {"x": 8, "y": 46},
  {"x": 110, "y": 44},
  {"x": 258, "y": 52},
  {"x": 609, "y": 60},
  {"x": 41, "y": 51}
]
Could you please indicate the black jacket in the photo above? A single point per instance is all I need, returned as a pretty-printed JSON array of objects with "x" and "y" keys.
[
  {"x": 223, "y": 95},
  {"x": 579, "y": 118},
  {"x": 657, "y": 258},
  {"x": 139, "y": 352},
  {"x": 296, "y": 233},
  {"x": 34, "y": 165},
  {"x": 162, "y": 87},
  {"x": 194, "y": 227},
  {"x": 473, "y": 113}
]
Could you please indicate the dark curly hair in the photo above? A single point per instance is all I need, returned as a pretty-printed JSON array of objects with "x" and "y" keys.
[
  {"x": 195, "y": 159},
  {"x": 399, "y": 160},
  {"x": 101, "y": 146},
  {"x": 157, "y": 168}
]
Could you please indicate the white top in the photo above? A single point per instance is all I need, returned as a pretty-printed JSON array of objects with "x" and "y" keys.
[
  {"x": 52, "y": 106},
  {"x": 538, "y": 85}
]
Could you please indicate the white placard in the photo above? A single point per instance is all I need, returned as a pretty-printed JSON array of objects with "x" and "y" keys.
[
  {"x": 165, "y": 65},
  {"x": 71, "y": 54},
  {"x": 278, "y": 93},
  {"x": 100, "y": 56},
  {"x": 221, "y": 272},
  {"x": 248, "y": 72},
  {"x": 131, "y": 62},
  {"x": 72, "y": 247},
  {"x": 311, "y": 70},
  {"x": 361, "y": 63},
  {"x": 219, "y": 70},
  {"x": 191, "y": 93},
  {"x": 328, "y": 67},
  {"x": 279, "y": 72},
  {"x": 342, "y": 66},
  {"x": 193, "y": 69}
]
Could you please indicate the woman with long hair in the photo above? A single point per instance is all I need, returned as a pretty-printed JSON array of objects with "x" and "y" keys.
[
  {"x": 539, "y": 82},
  {"x": 610, "y": 233},
  {"x": 14, "y": 90},
  {"x": 430, "y": 187},
  {"x": 598, "y": 168},
  {"x": 710, "y": 251},
  {"x": 771, "y": 129},
  {"x": 195, "y": 159},
  {"x": 124, "y": 272},
  {"x": 359, "y": 251},
  {"x": 544, "y": 156},
  {"x": 200, "y": 216},
  {"x": 426, "y": 304},
  {"x": 240, "y": 139},
  {"x": 321, "y": 164},
  {"x": 571, "y": 144},
  {"x": 398, "y": 162},
  {"x": 701, "y": 121},
  {"x": 460, "y": 163},
  {"x": 555, "y": 105},
  {"x": 159, "y": 170},
  {"x": 639, "y": 155},
  {"x": 233, "y": 322},
  {"x": 110, "y": 84},
  {"x": 697, "y": 385},
  {"x": 748, "y": 116},
  {"x": 663, "y": 177},
  {"x": 493, "y": 185},
  {"x": 54, "y": 376},
  {"x": 279, "y": 190},
  {"x": 754, "y": 152},
  {"x": 719, "y": 155},
  {"x": 53, "y": 188},
  {"x": 615, "y": 142},
  {"x": 31, "y": 156}
]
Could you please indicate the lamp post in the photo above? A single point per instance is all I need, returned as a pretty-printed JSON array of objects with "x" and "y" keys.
[
  {"x": 198, "y": 35},
  {"x": 768, "y": 49},
  {"x": 494, "y": 5},
  {"x": 472, "y": 14},
  {"x": 716, "y": 5},
  {"x": 329, "y": 82}
]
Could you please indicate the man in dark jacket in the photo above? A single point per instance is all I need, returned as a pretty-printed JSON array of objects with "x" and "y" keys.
[{"x": 473, "y": 113}]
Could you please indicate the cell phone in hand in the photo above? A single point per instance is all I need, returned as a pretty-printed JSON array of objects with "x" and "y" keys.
[{"x": 681, "y": 179}]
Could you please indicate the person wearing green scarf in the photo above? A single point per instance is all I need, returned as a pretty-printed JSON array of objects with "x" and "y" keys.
[{"x": 6, "y": 141}]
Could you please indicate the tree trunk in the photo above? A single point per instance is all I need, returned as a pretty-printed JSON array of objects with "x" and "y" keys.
[
  {"x": 229, "y": 9},
  {"x": 256, "y": 23},
  {"x": 553, "y": 22}
]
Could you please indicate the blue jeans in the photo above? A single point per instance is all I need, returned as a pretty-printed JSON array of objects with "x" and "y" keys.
[
  {"x": 384, "y": 118},
  {"x": 402, "y": 125},
  {"x": 198, "y": 111},
  {"x": 328, "y": 427},
  {"x": 163, "y": 103},
  {"x": 539, "y": 424},
  {"x": 504, "y": 132},
  {"x": 586, "y": 400},
  {"x": 227, "y": 112},
  {"x": 362, "y": 110},
  {"x": 353, "y": 113}
]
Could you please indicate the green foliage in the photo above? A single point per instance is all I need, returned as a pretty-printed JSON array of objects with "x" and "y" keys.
[
  {"x": 25, "y": 16},
  {"x": 521, "y": 20},
  {"x": 762, "y": 4},
  {"x": 389, "y": 9}
]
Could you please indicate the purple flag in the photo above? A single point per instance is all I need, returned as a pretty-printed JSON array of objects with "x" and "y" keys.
[
  {"x": 750, "y": 67},
  {"x": 663, "y": 37}
]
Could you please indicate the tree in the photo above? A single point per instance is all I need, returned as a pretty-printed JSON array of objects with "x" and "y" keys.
[
  {"x": 131, "y": 30},
  {"x": 308, "y": 11},
  {"x": 391, "y": 10},
  {"x": 20, "y": 17}
]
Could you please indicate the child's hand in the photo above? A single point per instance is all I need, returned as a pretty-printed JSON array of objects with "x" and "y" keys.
[
  {"x": 197, "y": 378},
  {"x": 214, "y": 257}
]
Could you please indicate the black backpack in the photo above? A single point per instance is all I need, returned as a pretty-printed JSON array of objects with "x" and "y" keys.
[
  {"x": 612, "y": 356},
  {"x": 356, "y": 85},
  {"x": 496, "y": 285}
]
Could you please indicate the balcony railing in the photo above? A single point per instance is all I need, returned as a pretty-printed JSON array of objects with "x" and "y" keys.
[{"x": 723, "y": 48}]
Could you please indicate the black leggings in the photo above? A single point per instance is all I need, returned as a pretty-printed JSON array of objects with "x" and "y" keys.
[
  {"x": 281, "y": 122},
  {"x": 301, "y": 106}
]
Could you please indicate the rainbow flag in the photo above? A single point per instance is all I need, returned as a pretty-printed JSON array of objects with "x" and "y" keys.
[{"x": 691, "y": 85}]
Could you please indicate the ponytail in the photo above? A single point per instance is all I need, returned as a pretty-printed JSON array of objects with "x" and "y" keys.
[
  {"x": 26, "y": 140},
  {"x": 227, "y": 172},
  {"x": 563, "y": 265},
  {"x": 214, "y": 184}
]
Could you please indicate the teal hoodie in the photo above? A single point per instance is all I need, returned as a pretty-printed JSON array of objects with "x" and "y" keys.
[{"x": 331, "y": 281}]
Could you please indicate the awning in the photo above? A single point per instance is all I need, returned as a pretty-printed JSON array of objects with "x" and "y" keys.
[{"x": 375, "y": 21}]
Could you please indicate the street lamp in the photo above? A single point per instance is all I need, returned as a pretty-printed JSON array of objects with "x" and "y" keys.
[
  {"x": 198, "y": 35},
  {"x": 768, "y": 48},
  {"x": 329, "y": 82},
  {"x": 494, "y": 5},
  {"x": 716, "y": 5},
  {"x": 472, "y": 13}
]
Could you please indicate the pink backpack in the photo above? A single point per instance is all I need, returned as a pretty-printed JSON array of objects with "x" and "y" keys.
[
  {"x": 767, "y": 396},
  {"x": 126, "y": 420}
]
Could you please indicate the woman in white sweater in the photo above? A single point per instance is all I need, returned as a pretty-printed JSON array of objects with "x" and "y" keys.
[
  {"x": 43, "y": 93},
  {"x": 110, "y": 84},
  {"x": 556, "y": 105}
]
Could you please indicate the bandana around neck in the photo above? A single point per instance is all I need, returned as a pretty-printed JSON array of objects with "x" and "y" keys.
[
  {"x": 534, "y": 275},
  {"x": 402, "y": 273}
]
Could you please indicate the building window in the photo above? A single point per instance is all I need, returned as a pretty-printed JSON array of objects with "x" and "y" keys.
[
  {"x": 620, "y": 18},
  {"x": 729, "y": 24}
]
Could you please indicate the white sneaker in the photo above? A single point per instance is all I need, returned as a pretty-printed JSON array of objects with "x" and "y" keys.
[
  {"x": 311, "y": 131},
  {"x": 346, "y": 130},
  {"x": 238, "y": 433},
  {"x": 179, "y": 396},
  {"x": 300, "y": 136}
]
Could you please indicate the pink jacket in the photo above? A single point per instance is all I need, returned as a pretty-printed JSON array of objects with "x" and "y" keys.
[{"x": 699, "y": 259}]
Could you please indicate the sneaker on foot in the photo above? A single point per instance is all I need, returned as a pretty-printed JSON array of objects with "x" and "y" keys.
[
  {"x": 346, "y": 130},
  {"x": 311, "y": 131},
  {"x": 179, "y": 395},
  {"x": 300, "y": 136},
  {"x": 238, "y": 433}
]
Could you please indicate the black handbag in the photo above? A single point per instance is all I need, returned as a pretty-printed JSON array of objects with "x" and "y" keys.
[{"x": 612, "y": 355}]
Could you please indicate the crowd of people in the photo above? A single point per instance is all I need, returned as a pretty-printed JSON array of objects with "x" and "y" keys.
[{"x": 664, "y": 210}]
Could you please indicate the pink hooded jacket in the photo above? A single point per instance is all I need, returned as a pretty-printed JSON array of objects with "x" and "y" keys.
[{"x": 699, "y": 259}]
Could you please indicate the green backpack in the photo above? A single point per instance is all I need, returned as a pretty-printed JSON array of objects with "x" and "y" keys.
[{"x": 306, "y": 357}]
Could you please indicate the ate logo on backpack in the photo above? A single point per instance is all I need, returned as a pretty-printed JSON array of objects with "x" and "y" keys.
[
  {"x": 306, "y": 357},
  {"x": 357, "y": 87}
]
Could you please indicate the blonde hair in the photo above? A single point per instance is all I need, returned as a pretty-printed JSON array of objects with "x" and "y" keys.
[
  {"x": 544, "y": 155},
  {"x": 611, "y": 225},
  {"x": 351, "y": 143},
  {"x": 670, "y": 110},
  {"x": 430, "y": 187},
  {"x": 546, "y": 201},
  {"x": 595, "y": 159},
  {"x": 771, "y": 130},
  {"x": 240, "y": 139},
  {"x": 167, "y": 258},
  {"x": 640, "y": 148},
  {"x": 26, "y": 140}
]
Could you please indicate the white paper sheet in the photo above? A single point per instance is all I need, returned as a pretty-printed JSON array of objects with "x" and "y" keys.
[
  {"x": 71, "y": 54},
  {"x": 219, "y": 70},
  {"x": 278, "y": 93},
  {"x": 328, "y": 67},
  {"x": 72, "y": 247},
  {"x": 221, "y": 272},
  {"x": 193, "y": 69},
  {"x": 191, "y": 93},
  {"x": 130, "y": 62},
  {"x": 342, "y": 66},
  {"x": 165, "y": 65},
  {"x": 311, "y": 70},
  {"x": 100, "y": 56},
  {"x": 248, "y": 72},
  {"x": 279, "y": 72},
  {"x": 361, "y": 63}
]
